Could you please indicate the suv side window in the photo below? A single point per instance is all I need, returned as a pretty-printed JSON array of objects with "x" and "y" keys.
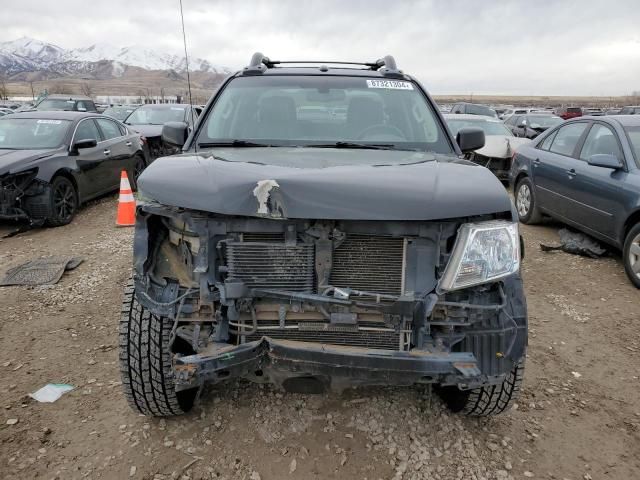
[
  {"x": 600, "y": 139},
  {"x": 109, "y": 129},
  {"x": 87, "y": 130},
  {"x": 567, "y": 138},
  {"x": 456, "y": 109}
]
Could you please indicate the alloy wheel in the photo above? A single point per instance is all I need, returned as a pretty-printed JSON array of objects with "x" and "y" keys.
[
  {"x": 523, "y": 202},
  {"x": 64, "y": 201}
]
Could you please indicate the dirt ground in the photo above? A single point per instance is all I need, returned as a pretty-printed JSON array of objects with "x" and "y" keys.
[{"x": 578, "y": 418}]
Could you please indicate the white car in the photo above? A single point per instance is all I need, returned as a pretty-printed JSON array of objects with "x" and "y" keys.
[{"x": 500, "y": 143}]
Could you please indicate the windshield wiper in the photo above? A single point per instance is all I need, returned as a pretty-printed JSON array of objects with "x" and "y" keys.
[
  {"x": 364, "y": 146},
  {"x": 234, "y": 143}
]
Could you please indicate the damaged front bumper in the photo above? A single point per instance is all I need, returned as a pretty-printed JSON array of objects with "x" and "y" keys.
[{"x": 284, "y": 362}]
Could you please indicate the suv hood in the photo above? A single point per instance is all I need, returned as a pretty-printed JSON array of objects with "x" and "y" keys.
[
  {"x": 15, "y": 160},
  {"x": 324, "y": 184},
  {"x": 148, "y": 131}
]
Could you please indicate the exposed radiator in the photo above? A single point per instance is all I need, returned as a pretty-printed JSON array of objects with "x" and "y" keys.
[
  {"x": 369, "y": 263},
  {"x": 272, "y": 265}
]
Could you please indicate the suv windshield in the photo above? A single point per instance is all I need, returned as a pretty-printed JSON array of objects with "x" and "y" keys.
[
  {"x": 56, "y": 104},
  {"x": 31, "y": 133},
  {"x": 155, "y": 115},
  {"x": 357, "y": 112},
  {"x": 119, "y": 113}
]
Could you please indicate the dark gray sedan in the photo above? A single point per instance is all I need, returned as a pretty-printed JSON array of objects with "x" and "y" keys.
[{"x": 585, "y": 173}]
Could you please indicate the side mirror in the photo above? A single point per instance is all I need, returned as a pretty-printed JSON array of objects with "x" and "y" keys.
[
  {"x": 470, "y": 139},
  {"x": 175, "y": 133},
  {"x": 85, "y": 143},
  {"x": 605, "y": 160}
]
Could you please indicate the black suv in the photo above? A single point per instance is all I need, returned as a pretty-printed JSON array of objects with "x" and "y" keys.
[{"x": 321, "y": 230}]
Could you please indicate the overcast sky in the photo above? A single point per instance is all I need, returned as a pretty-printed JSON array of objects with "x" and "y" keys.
[{"x": 535, "y": 47}]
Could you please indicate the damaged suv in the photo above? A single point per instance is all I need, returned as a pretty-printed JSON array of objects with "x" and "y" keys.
[{"x": 321, "y": 231}]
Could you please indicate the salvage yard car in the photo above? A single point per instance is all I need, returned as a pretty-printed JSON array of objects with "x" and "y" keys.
[
  {"x": 149, "y": 119},
  {"x": 323, "y": 251},
  {"x": 52, "y": 162},
  {"x": 531, "y": 125},
  {"x": 500, "y": 143},
  {"x": 586, "y": 173}
]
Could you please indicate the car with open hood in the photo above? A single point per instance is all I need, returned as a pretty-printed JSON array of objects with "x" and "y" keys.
[
  {"x": 499, "y": 146},
  {"x": 321, "y": 230},
  {"x": 148, "y": 121},
  {"x": 52, "y": 162}
]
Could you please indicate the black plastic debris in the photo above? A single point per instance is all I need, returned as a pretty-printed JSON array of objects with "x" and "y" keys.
[
  {"x": 576, "y": 243},
  {"x": 42, "y": 271}
]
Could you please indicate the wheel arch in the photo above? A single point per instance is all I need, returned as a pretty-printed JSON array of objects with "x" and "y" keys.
[
  {"x": 63, "y": 172},
  {"x": 632, "y": 219}
]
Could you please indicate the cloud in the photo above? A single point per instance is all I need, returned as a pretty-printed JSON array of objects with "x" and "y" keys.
[{"x": 545, "y": 47}]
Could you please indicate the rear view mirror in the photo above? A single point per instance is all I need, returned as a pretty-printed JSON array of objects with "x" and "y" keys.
[
  {"x": 605, "y": 160},
  {"x": 470, "y": 138},
  {"x": 175, "y": 133}
]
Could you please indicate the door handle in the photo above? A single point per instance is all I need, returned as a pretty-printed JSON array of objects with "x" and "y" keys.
[
  {"x": 128, "y": 144},
  {"x": 571, "y": 172},
  {"x": 107, "y": 151},
  {"x": 536, "y": 162}
]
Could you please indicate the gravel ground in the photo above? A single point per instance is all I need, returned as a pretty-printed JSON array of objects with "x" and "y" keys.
[{"x": 578, "y": 417}]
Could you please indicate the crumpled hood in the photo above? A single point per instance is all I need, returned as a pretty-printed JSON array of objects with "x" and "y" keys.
[
  {"x": 501, "y": 146},
  {"x": 148, "y": 131},
  {"x": 324, "y": 184},
  {"x": 17, "y": 160}
]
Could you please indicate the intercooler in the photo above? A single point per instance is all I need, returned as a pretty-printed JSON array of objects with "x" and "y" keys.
[{"x": 361, "y": 262}]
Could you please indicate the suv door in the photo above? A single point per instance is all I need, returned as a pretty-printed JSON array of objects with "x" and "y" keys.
[
  {"x": 119, "y": 151},
  {"x": 90, "y": 161},
  {"x": 555, "y": 168},
  {"x": 598, "y": 192}
]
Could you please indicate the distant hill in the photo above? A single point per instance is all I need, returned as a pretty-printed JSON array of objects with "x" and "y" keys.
[
  {"x": 28, "y": 55},
  {"x": 28, "y": 65}
]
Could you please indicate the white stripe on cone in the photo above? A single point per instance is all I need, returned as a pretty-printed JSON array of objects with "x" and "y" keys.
[
  {"x": 127, "y": 197},
  {"x": 124, "y": 183}
]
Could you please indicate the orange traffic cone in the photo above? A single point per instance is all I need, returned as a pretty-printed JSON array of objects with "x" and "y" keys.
[{"x": 126, "y": 203}]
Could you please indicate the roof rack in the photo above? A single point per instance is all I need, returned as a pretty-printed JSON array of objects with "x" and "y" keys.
[{"x": 260, "y": 63}]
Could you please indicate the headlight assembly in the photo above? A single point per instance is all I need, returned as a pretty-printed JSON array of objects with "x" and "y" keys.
[{"x": 483, "y": 252}]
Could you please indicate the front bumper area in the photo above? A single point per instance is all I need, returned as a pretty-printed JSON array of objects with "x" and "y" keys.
[{"x": 335, "y": 367}]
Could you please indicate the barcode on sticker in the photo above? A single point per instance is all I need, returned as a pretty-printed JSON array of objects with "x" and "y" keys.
[{"x": 392, "y": 84}]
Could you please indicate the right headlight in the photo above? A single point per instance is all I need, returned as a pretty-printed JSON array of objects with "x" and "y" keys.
[{"x": 483, "y": 252}]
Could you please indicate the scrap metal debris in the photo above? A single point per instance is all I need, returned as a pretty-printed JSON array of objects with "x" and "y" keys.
[
  {"x": 42, "y": 271},
  {"x": 576, "y": 243}
]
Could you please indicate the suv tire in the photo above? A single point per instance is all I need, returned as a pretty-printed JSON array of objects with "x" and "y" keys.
[
  {"x": 488, "y": 400},
  {"x": 526, "y": 204},
  {"x": 631, "y": 255},
  {"x": 146, "y": 365}
]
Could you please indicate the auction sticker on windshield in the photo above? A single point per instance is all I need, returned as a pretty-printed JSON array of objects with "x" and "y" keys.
[{"x": 392, "y": 84}]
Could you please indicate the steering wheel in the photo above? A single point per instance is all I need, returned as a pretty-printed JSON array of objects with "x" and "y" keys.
[{"x": 381, "y": 128}]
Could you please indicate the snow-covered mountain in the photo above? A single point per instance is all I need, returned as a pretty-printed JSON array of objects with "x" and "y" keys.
[{"x": 27, "y": 54}]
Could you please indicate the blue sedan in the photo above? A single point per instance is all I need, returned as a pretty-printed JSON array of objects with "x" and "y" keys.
[{"x": 586, "y": 173}]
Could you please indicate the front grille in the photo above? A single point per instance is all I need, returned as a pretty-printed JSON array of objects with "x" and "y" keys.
[
  {"x": 369, "y": 263},
  {"x": 272, "y": 265}
]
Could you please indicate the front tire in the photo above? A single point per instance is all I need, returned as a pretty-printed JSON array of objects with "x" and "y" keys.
[
  {"x": 485, "y": 401},
  {"x": 63, "y": 202},
  {"x": 526, "y": 204},
  {"x": 146, "y": 362},
  {"x": 631, "y": 255}
]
